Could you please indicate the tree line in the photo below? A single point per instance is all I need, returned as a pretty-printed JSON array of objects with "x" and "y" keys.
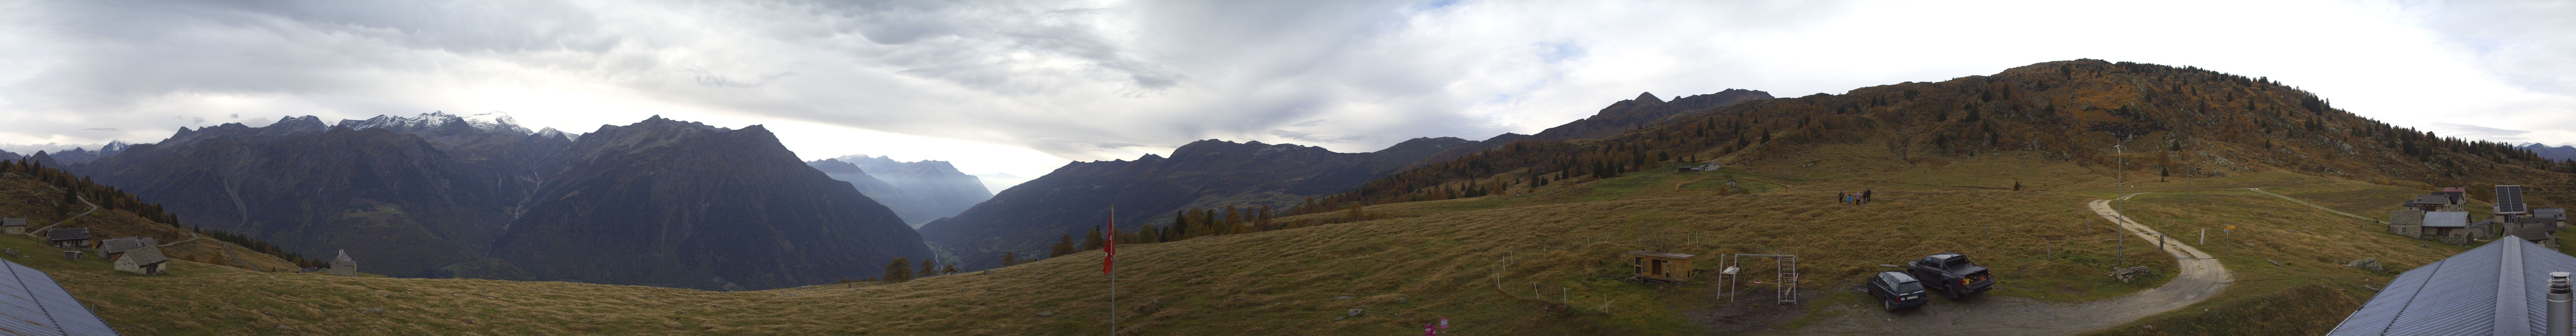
[
  {"x": 77, "y": 188},
  {"x": 2068, "y": 111}
]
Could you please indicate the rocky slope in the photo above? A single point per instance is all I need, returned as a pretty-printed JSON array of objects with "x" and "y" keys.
[{"x": 1028, "y": 218}]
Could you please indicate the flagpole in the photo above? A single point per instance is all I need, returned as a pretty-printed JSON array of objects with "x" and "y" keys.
[{"x": 1113, "y": 270}]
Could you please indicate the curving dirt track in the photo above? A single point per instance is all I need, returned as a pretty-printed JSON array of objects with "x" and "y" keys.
[{"x": 2201, "y": 278}]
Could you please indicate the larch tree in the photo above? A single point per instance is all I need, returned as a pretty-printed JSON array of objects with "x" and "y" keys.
[
  {"x": 899, "y": 270},
  {"x": 1063, "y": 246}
]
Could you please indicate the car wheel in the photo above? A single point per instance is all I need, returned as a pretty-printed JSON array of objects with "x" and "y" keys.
[{"x": 1889, "y": 305}]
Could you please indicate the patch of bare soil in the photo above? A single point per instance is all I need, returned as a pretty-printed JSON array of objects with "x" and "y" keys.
[{"x": 1753, "y": 313}]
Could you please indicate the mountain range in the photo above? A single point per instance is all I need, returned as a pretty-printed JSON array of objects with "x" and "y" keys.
[
  {"x": 660, "y": 202},
  {"x": 2559, "y": 152},
  {"x": 1026, "y": 219},
  {"x": 918, "y": 191}
]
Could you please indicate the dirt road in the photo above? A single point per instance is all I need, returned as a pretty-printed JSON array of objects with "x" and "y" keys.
[{"x": 2201, "y": 277}]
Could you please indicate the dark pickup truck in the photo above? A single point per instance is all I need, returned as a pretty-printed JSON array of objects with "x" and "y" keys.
[{"x": 1952, "y": 275}]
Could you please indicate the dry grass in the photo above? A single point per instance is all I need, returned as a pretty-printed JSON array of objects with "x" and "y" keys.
[
  {"x": 1432, "y": 260},
  {"x": 2311, "y": 245},
  {"x": 1436, "y": 259}
]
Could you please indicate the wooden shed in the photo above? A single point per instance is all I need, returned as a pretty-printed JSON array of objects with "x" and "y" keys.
[{"x": 1660, "y": 266}]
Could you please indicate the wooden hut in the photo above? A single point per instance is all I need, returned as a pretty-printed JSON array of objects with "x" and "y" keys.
[
  {"x": 15, "y": 226},
  {"x": 1660, "y": 266},
  {"x": 146, "y": 261}
]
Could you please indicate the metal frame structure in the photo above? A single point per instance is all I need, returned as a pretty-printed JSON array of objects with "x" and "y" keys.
[{"x": 1732, "y": 269}]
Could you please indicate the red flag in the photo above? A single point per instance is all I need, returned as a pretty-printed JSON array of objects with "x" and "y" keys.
[{"x": 1111, "y": 249}]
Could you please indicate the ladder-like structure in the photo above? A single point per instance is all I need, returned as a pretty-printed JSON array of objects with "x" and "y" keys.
[
  {"x": 1788, "y": 276},
  {"x": 1789, "y": 279}
]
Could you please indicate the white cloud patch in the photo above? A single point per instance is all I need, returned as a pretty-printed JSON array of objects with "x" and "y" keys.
[{"x": 1018, "y": 87}]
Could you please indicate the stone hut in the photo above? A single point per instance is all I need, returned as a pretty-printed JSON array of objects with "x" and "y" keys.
[
  {"x": 146, "y": 261},
  {"x": 2439, "y": 225},
  {"x": 15, "y": 226},
  {"x": 118, "y": 246},
  {"x": 2535, "y": 229},
  {"x": 343, "y": 266},
  {"x": 68, "y": 238},
  {"x": 2408, "y": 223}
]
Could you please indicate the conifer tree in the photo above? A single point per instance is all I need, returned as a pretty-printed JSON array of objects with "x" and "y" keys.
[
  {"x": 1010, "y": 258},
  {"x": 929, "y": 267}
]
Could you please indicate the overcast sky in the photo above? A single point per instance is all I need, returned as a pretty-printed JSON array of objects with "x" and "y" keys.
[{"x": 1023, "y": 87}]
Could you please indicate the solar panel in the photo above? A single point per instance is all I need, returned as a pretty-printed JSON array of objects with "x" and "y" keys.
[
  {"x": 2509, "y": 200},
  {"x": 32, "y": 304}
]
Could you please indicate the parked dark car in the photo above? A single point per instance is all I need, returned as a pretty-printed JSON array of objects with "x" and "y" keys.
[
  {"x": 1952, "y": 275},
  {"x": 1895, "y": 290}
]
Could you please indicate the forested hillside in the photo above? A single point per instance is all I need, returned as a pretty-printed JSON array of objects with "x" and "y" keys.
[{"x": 2164, "y": 120}]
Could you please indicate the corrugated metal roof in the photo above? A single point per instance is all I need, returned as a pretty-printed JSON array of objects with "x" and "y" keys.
[
  {"x": 144, "y": 256},
  {"x": 67, "y": 234},
  {"x": 1661, "y": 254},
  {"x": 13, "y": 222},
  {"x": 125, "y": 244},
  {"x": 2485, "y": 291},
  {"x": 2446, "y": 219},
  {"x": 32, "y": 304}
]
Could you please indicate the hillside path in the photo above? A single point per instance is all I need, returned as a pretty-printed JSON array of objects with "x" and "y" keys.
[
  {"x": 93, "y": 207},
  {"x": 2202, "y": 277},
  {"x": 2319, "y": 207}
]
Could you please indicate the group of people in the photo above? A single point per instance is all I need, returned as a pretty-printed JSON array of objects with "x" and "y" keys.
[{"x": 1854, "y": 198}]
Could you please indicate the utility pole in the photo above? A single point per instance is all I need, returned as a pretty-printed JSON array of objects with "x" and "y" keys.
[{"x": 2120, "y": 204}]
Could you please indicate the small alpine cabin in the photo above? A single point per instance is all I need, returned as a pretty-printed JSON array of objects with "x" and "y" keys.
[
  {"x": 71, "y": 238},
  {"x": 1660, "y": 266},
  {"x": 15, "y": 226}
]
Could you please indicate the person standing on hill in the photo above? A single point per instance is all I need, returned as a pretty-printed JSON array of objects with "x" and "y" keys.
[
  {"x": 1842, "y": 196},
  {"x": 1864, "y": 196}
]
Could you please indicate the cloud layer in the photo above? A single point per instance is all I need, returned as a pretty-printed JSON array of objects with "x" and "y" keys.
[{"x": 1020, "y": 86}]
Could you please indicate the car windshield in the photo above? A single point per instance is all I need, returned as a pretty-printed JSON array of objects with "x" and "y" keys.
[{"x": 1909, "y": 287}]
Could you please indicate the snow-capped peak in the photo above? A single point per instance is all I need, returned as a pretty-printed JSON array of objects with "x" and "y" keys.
[{"x": 488, "y": 122}]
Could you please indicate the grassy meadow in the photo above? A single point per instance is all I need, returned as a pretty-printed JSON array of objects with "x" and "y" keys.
[{"x": 1548, "y": 261}]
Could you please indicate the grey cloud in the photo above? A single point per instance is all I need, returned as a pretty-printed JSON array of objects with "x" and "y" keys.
[{"x": 2476, "y": 132}]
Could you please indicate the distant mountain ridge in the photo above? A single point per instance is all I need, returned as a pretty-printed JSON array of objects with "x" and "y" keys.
[
  {"x": 930, "y": 189},
  {"x": 2559, "y": 152},
  {"x": 440, "y": 195},
  {"x": 1075, "y": 198},
  {"x": 1644, "y": 110},
  {"x": 1210, "y": 173}
]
